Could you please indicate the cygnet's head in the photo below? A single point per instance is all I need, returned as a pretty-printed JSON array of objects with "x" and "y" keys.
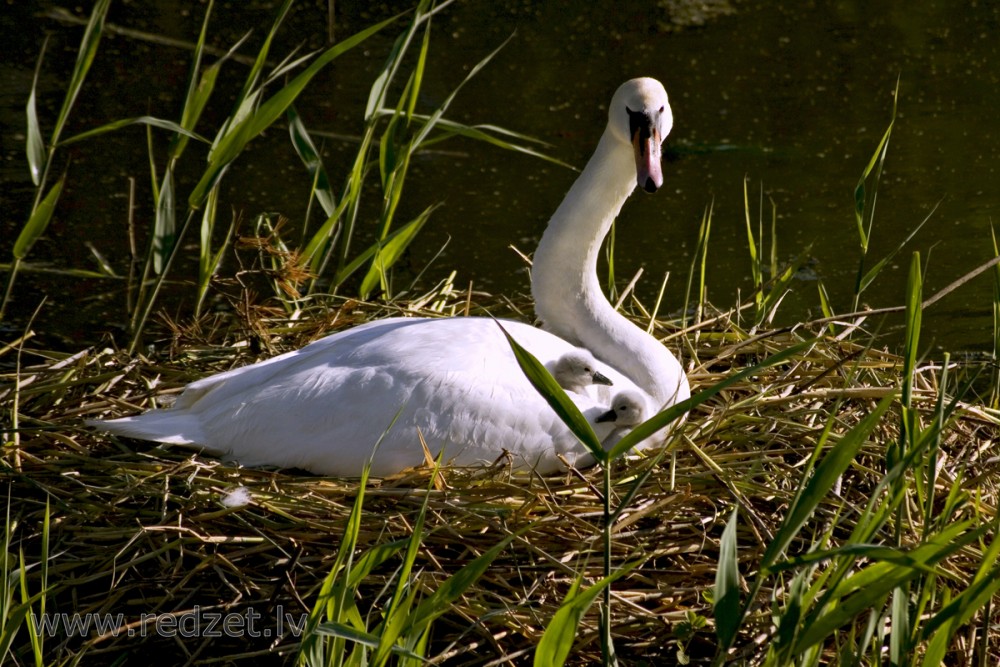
[
  {"x": 628, "y": 409},
  {"x": 640, "y": 115},
  {"x": 576, "y": 370}
]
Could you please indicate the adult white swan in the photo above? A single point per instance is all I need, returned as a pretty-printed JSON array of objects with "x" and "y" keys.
[{"x": 454, "y": 380}]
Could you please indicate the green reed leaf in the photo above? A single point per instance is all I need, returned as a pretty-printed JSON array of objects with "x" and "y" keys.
[
  {"x": 139, "y": 120},
  {"x": 165, "y": 225},
  {"x": 727, "y": 586},
  {"x": 34, "y": 144},
  {"x": 38, "y": 222},
  {"x": 556, "y": 642},
  {"x": 670, "y": 414},
  {"x": 829, "y": 469},
  {"x": 306, "y": 150},
  {"x": 556, "y": 397},
  {"x": 387, "y": 252},
  {"x": 84, "y": 59},
  {"x": 239, "y": 134}
]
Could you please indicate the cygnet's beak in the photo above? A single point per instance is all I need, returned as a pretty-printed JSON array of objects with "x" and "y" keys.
[
  {"x": 608, "y": 416},
  {"x": 646, "y": 144},
  {"x": 601, "y": 378}
]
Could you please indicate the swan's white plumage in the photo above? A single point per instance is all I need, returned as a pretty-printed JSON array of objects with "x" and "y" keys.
[
  {"x": 628, "y": 410},
  {"x": 323, "y": 407},
  {"x": 577, "y": 372}
]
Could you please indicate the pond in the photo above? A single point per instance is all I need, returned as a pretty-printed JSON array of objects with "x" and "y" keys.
[{"x": 793, "y": 97}]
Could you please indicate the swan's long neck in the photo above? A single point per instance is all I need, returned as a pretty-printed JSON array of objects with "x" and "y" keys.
[{"x": 564, "y": 283}]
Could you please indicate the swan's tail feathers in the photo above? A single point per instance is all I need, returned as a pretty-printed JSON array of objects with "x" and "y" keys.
[{"x": 168, "y": 426}]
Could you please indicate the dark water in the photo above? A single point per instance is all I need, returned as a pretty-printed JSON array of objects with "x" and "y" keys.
[{"x": 793, "y": 96}]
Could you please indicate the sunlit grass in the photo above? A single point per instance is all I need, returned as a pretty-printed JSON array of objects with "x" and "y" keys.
[{"x": 825, "y": 501}]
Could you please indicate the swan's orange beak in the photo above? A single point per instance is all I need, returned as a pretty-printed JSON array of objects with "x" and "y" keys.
[{"x": 646, "y": 143}]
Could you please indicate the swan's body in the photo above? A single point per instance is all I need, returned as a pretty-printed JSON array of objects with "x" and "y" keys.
[
  {"x": 453, "y": 381},
  {"x": 577, "y": 371}
]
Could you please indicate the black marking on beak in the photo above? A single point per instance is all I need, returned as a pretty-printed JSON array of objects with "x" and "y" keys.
[
  {"x": 601, "y": 378},
  {"x": 608, "y": 416},
  {"x": 644, "y": 130},
  {"x": 639, "y": 122}
]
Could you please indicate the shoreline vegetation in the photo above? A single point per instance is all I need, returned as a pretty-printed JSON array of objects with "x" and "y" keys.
[{"x": 823, "y": 502}]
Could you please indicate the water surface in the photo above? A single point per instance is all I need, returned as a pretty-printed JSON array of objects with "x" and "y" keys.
[{"x": 792, "y": 96}]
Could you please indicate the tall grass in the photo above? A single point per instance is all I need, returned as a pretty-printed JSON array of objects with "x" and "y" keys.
[
  {"x": 554, "y": 395},
  {"x": 337, "y": 633},
  {"x": 325, "y": 260},
  {"x": 827, "y": 515}
]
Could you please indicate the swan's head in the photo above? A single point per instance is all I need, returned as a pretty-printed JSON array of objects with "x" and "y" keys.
[
  {"x": 640, "y": 116},
  {"x": 627, "y": 409}
]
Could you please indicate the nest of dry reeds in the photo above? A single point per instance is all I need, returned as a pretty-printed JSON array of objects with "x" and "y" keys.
[{"x": 148, "y": 534}]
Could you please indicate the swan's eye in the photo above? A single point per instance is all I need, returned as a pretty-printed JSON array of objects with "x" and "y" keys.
[{"x": 662, "y": 108}]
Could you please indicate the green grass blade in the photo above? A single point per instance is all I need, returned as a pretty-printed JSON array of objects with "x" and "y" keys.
[
  {"x": 255, "y": 122},
  {"x": 486, "y": 134},
  {"x": 15, "y": 618},
  {"x": 126, "y": 122},
  {"x": 556, "y": 642},
  {"x": 853, "y": 550},
  {"x": 994, "y": 399},
  {"x": 377, "y": 92},
  {"x": 554, "y": 395},
  {"x": 367, "y": 254},
  {"x": 825, "y": 307},
  {"x": 276, "y": 105},
  {"x": 435, "y": 117},
  {"x": 332, "y": 600},
  {"x": 165, "y": 225},
  {"x": 348, "y": 633},
  {"x": 390, "y": 250},
  {"x": 441, "y": 599},
  {"x": 664, "y": 418},
  {"x": 914, "y": 315},
  {"x": 199, "y": 88},
  {"x": 38, "y": 222},
  {"x": 942, "y": 627},
  {"x": 254, "y": 75},
  {"x": 306, "y": 150},
  {"x": 755, "y": 260},
  {"x": 418, "y": 71},
  {"x": 872, "y": 274},
  {"x": 780, "y": 285},
  {"x": 700, "y": 251},
  {"x": 946, "y": 623},
  {"x": 33, "y": 635},
  {"x": 899, "y": 613},
  {"x": 84, "y": 59},
  {"x": 193, "y": 108},
  {"x": 209, "y": 262},
  {"x": 34, "y": 144},
  {"x": 397, "y": 613},
  {"x": 819, "y": 484},
  {"x": 370, "y": 560},
  {"x": 860, "y": 193},
  {"x": 872, "y": 585},
  {"x": 313, "y": 251},
  {"x": 727, "y": 586}
]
